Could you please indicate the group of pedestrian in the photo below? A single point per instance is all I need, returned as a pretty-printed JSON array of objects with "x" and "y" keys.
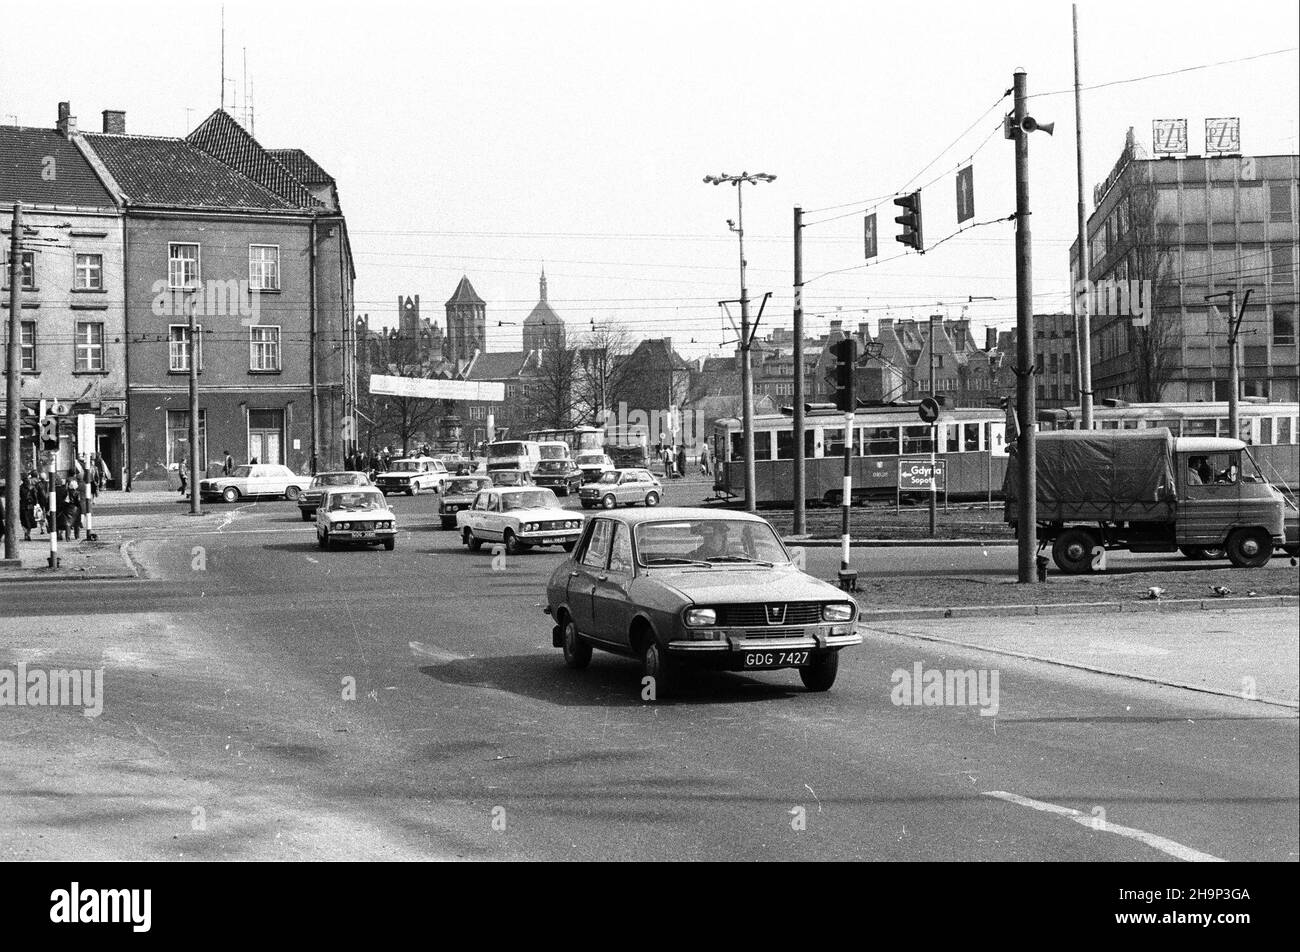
[
  {"x": 674, "y": 460},
  {"x": 74, "y": 490}
]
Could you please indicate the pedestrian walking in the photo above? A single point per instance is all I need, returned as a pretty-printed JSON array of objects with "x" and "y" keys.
[
  {"x": 185, "y": 475},
  {"x": 228, "y": 465},
  {"x": 681, "y": 460},
  {"x": 704, "y": 460},
  {"x": 27, "y": 505},
  {"x": 69, "y": 509}
]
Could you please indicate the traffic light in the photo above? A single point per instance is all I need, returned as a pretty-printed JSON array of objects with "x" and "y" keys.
[
  {"x": 839, "y": 379},
  {"x": 50, "y": 432},
  {"x": 911, "y": 221}
]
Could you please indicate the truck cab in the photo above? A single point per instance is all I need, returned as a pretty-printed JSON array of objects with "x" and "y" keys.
[{"x": 1224, "y": 502}]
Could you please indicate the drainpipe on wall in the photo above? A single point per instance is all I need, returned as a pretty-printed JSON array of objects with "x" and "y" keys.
[{"x": 315, "y": 397}]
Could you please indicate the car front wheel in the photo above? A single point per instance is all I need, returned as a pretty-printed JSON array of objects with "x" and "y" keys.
[
  {"x": 577, "y": 653},
  {"x": 656, "y": 665},
  {"x": 513, "y": 545},
  {"x": 230, "y": 494},
  {"x": 652, "y": 499},
  {"x": 292, "y": 493},
  {"x": 306, "y": 516},
  {"x": 323, "y": 539},
  {"x": 390, "y": 544},
  {"x": 820, "y": 675},
  {"x": 471, "y": 540},
  {"x": 609, "y": 502}
]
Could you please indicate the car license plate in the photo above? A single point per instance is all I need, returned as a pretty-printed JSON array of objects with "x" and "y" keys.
[
  {"x": 552, "y": 541},
  {"x": 753, "y": 660},
  {"x": 364, "y": 535}
]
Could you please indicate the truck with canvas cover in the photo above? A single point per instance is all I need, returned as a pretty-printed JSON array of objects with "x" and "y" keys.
[{"x": 1146, "y": 491}]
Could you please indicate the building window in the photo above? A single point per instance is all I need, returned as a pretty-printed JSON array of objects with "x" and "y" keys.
[
  {"x": 1223, "y": 205},
  {"x": 178, "y": 436},
  {"x": 264, "y": 267},
  {"x": 178, "y": 357},
  {"x": 89, "y": 273},
  {"x": 477, "y": 412},
  {"x": 1067, "y": 363},
  {"x": 182, "y": 265},
  {"x": 1279, "y": 201},
  {"x": 90, "y": 347},
  {"x": 1283, "y": 327},
  {"x": 263, "y": 348},
  {"x": 1283, "y": 264},
  {"x": 1251, "y": 197},
  {"x": 28, "y": 259},
  {"x": 28, "y": 338}
]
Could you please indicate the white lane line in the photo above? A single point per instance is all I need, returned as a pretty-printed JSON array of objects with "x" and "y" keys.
[
  {"x": 437, "y": 654},
  {"x": 311, "y": 560},
  {"x": 1176, "y": 850}
]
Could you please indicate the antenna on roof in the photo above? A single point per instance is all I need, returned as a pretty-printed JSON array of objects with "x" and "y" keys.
[{"x": 223, "y": 57}]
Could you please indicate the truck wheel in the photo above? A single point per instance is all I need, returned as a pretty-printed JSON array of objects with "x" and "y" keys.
[
  {"x": 1249, "y": 548},
  {"x": 1072, "y": 551}
]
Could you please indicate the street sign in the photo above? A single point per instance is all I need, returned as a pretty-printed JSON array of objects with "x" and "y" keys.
[
  {"x": 869, "y": 235},
  {"x": 914, "y": 475},
  {"x": 965, "y": 194},
  {"x": 436, "y": 389},
  {"x": 928, "y": 409}
]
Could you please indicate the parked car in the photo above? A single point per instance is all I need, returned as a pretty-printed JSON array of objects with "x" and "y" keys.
[
  {"x": 458, "y": 465},
  {"x": 510, "y": 477},
  {"x": 593, "y": 465},
  {"x": 355, "y": 515},
  {"x": 681, "y": 586},
  {"x": 520, "y": 518},
  {"x": 309, "y": 498},
  {"x": 458, "y": 493},
  {"x": 558, "y": 474},
  {"x": 412, "y": 476},
  {"x": 622, "y": 487},
  {"x": 257, "y": 479}
]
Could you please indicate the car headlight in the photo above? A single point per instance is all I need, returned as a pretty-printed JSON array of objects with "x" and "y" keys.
[
  {"x": 574, "y": 524},
  {"x": 837, "y": 611},
  {"x": 344, "y": 525},
  {"x": 700, "y": 617}
]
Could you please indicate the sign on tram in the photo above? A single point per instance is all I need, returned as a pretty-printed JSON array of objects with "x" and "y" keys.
[{"x": 914, "y": 475}]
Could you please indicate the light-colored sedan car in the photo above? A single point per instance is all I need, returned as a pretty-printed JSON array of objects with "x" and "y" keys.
[
  {"x": 258, "y": 479},
  {"x": 355, "y": 515},
  {"x": 696, "y": 587},
  {"x": 520, "y": 518},
  {"x": 622, "y": 487},
  {"x": 310, "y": 497},
  {"x": 412, "y": 476}
]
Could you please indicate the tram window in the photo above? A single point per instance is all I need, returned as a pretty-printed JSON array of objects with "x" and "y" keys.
[
  {"x": 834, "y": 442},
  {"x": 1110, "y": 424},
  {"x": 785, "y": 444},
  {"x": 809, "y": 444},
  {"x": 916, "y": 439},
  {"x": 1284, "y": 430},
  {"x": 1265, "y": 430},
  {"x": 737, "y": 446},
  {"x": 1170, "y": 422},
  {"x": 1199, "y": 427},
  {"x": 952, "y": 437},
  {"x": 763, "y": 445},
  {"x": 882, "y": 440},
  {"x": 972, "y": 440}
]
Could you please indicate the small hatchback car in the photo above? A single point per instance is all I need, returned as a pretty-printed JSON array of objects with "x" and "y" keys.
[
  {"x": 677, "y": 587},
  {"x": 622, "y": 487}
]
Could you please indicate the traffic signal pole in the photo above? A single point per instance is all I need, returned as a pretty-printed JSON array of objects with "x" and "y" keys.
[
  {"x": 13, "y": 391},
  {"x": 934, "y": 436},
  {"x": 846, "y": 574},
  {"x": 800, "y": 423}
]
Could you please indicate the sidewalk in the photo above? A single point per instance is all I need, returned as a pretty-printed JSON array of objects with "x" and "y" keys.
[{"x": 1252, "y": 654}]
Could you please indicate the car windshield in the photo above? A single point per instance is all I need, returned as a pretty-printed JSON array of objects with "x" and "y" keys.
[
  {"x": 367, "y": 500},
  {"x": 708, "y": 542},
  {"x": 466, "y": 486},
  {"x": 242, "y": 472},
  {"x": 610, "y": 477},
  {"x": 591, "y": 459},
  {"x": 506, "y": 478},
  {"x": 504, "y": 450},
  {"x": 551, "y": 451},
  {"x": 339, "y": 479},
  {"x": 552, "y": 466},
  {"x": 405, "y": 466},
  {"x": 533, "y": 499}
]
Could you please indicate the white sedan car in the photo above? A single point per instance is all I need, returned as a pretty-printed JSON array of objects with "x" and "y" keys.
[
  {"x": 258, "y": 479},
  {"x": 412, "y": 476},
  {"x": 519, "y": 517},
  {"x": 355, "y": 515}
]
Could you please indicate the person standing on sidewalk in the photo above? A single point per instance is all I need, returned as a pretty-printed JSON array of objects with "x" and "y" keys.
[
  {"x": 27, "y": 506},
  {"x": 185, "y": 475},
  {"x": 704, "y": 459},
  {"x": 228, "y": 466}
]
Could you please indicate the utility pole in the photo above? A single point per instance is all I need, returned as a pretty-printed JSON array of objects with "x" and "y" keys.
[
  {"x": 746, "y": 374},
  {"x": 1026, "y": 455},
  {"x": 196, "y": 507},
  {"x": 1234, "y": 362},
  {"x": 934, "y": 434},
  {"x": 1083, "y": 302},
  {"x": 800, "y": 424},
  {"x": 13, "y": 388}
]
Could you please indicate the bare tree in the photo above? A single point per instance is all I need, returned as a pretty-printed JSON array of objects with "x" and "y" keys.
[
  {"x": 400, "y": 420},
  {"x": 1153, "y": 345},
  {"x": 597, "y": 369},
  {"x": 552, "y": 402}
]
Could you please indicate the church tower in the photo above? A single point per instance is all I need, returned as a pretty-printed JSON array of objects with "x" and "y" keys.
[
  {"x": 466, "y": 323},
  {"x": 543, "y": 329}
]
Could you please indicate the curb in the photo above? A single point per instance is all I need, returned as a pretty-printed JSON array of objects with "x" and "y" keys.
[
  {"x": 893, "y": 543},
  {"x": 1077, "y": 608},
  {"x": 1093, "y": 669}
]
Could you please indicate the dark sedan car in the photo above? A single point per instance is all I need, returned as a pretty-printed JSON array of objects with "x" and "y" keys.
[
  {"x": 310, "y": 497},
  {"x": 458, "y": 493},
  {"x": 562, "y": 475},
  {"x": 677, "y": 586}
]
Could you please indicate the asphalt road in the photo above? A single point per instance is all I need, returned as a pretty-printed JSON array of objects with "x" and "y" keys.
[{"x": 227, "y": 731}]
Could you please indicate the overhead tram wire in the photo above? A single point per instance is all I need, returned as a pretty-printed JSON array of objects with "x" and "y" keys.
[{"x": 1172, "y": 72}]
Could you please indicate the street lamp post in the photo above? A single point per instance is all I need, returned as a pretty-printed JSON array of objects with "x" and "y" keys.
[{"x": 746, "y": 379}]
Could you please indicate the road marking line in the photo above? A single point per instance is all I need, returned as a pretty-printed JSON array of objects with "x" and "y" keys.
[
  {"x": 311, "y": 560},
  {"x": 437, "y": 654},
  {"x": 1176, "y": 850}
]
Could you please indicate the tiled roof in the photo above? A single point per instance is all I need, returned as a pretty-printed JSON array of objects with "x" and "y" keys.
[
  {"x": 302, "y": 166},
  {"x": 543, "y": 315},
  {"x": 25, "y": 167},
  {"x": 160, "y": 171},
  {"x": 464, "y": 293},
  {"x": 222, "y": 137},
  {"x": 498, "y": 365}
]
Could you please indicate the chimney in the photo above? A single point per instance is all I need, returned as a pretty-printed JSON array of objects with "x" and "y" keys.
[
  {"x": 115, "y": 122},
  {"x": 990, "y": 338},
  {"x": 837, "y": 327},
  {"x": 67, "y": 124},
  {"x": 883, "y": 325}
]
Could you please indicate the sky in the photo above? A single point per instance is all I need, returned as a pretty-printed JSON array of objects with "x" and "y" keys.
[{"x": 493, "y": 139}]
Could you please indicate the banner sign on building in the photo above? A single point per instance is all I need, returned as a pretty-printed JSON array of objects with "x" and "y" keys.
[
  {"x": 423, "y": 389},
  {"x": 965, "y": 194},
  {"x": 1223, "y": 135},
  {"x": 1169, "y": 136}
]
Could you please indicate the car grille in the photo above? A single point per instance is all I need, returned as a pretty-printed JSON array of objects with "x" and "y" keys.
[
  {"x": 795, "y": 613},
  {"x": 774, "y": 633},
  {"x": 551, "y": 526}
]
